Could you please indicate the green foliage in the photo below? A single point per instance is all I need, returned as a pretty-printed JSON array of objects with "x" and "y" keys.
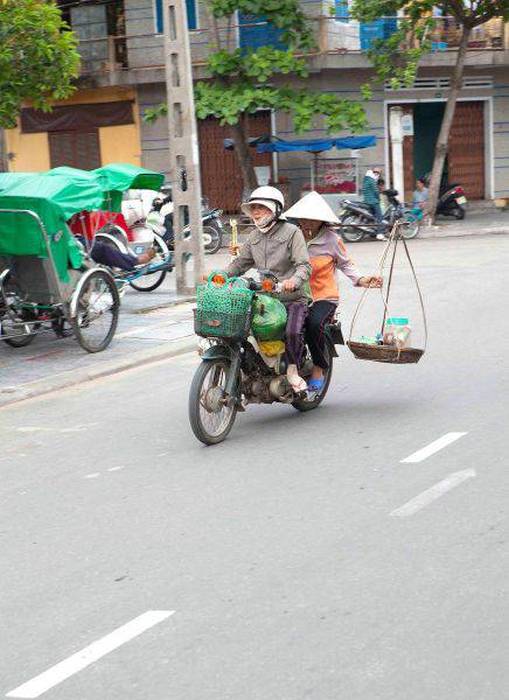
[
  {"x": 243, "y": 82},
  {"x": 397, "y": 57},
  {"x": 38, "y": 58}
]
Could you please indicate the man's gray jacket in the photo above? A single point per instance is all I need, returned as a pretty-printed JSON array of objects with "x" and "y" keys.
[{"x": 282, "y": 251}]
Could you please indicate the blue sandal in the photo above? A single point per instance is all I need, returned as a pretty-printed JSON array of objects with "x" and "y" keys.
[{"x": 316, "y": 384}]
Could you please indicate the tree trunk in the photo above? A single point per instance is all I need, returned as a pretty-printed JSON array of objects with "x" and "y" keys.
[
  {"x": 443, "y": 137},
  {"x": 3, "y": 155},
  {"x": 240, "y": 135}
]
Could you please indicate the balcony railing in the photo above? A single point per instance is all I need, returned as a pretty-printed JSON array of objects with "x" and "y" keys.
[{"x": 103, "y": 55}]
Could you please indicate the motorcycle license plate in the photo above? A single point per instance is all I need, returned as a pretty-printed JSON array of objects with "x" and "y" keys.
[{"x": 461, "y": 200}]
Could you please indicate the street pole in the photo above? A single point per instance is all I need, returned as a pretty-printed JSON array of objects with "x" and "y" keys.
[
  {"x": 183, "y": 144},
  {"x": 398, "y": 178}
]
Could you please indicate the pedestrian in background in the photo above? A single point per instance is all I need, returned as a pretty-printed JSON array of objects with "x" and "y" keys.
[
  {"x": 421, "y": 195},
  {"x": 371, "y": 196}
]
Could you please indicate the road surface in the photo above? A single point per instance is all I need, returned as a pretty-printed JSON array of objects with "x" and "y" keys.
[{"x": 358, "y": 552}]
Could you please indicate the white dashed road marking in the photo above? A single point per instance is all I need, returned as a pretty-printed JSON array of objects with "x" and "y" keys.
[
  {"x": 431, "y": 494},
  {"x": 77, "y": 662},
  {"x": 433, "y": 447}
]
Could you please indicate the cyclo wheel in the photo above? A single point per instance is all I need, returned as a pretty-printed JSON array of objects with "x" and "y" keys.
[
  {"x": 304, "y": 405},
  {"x": 216, "y": 239},
  {"x": 211, "y": 420},
  {"x": 97, "y": 309},
  {"x": 152, "y": 281},
  {"x": 348, "y": 232},
  {"x": 11, "y": 329}
]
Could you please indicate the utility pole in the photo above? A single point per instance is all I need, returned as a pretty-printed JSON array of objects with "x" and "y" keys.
[
  {"x": 183, "y": 144},
  {"x": 396, "y": 131}
]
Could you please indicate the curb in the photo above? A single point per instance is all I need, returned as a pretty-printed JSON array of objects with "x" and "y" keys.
[
  {"x": 165, "y": 305},
  {"x": 68, "y": 379},
  {"x": 456, "y": 234}
]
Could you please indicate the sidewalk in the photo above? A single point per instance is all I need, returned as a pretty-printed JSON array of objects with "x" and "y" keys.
[
  {"x": 151, "y": 326},
  {"x": 475, "y": 223}
]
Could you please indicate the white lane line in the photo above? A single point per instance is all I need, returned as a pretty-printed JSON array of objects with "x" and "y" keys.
[
  {"x": 433, "y": 447},
  {"x": 77, "y": 662},
  {"x": 114, "y": 469},
  {"x": 92, "y": 476},
  {"x": 431, "y": 494}
]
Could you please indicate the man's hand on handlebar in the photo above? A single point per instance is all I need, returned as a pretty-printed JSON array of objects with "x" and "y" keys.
[{"x": 289, "y": 285}]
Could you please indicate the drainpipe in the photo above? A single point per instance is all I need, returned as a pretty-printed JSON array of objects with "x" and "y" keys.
[{"x": 398, "y": 177}]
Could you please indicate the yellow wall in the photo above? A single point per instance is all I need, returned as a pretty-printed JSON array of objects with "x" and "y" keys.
[
  {"x": 117, "y": 143},
  {"x": 120, "y": 144},
  {"x": 31, "y": 151}
]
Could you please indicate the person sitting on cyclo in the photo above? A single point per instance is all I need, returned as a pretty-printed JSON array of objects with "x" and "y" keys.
[
  {"x": 278, "y": 246},
  {"x": 327, "y": 253}
]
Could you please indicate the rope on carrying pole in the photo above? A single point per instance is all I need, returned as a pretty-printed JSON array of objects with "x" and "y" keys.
[{"x": 394, "y": 237}]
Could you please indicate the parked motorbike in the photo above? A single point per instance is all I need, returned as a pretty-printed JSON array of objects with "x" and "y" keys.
[
  {"x": 451, "y": 201},
  {"x": 234, "y": 372},
  {"x": 357, "y": 219},
  {"x": 161, "y": 218}
]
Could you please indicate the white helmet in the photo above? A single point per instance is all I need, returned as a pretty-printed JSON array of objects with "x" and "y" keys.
[{"x": 269, "y": 197}]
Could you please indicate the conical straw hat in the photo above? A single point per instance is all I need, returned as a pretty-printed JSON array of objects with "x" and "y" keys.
[{"x": 312, "y": 206}]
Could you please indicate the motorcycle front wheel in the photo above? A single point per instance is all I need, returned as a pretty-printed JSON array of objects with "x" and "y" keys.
[
  {"x": 349, "y": 231},
  {"x": 211, "y": 419}
]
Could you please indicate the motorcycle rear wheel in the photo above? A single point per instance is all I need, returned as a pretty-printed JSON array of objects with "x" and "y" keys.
[
  {"x": 216, "y": 239},
  {"x": 351, "y": 235},
  {"x": 459, "y": 212},
  {"x": 304, "y": 405},
  {"x": 210, "y": 420}
]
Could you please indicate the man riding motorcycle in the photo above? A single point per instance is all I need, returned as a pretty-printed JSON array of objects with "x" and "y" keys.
[{"x": 278, "y": 246}]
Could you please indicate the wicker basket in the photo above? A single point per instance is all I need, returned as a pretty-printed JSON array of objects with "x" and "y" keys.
[{"x": 385, "y": 353}]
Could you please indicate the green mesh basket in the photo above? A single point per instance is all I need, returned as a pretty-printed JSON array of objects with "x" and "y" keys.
[{"x": 223, "y": 311}]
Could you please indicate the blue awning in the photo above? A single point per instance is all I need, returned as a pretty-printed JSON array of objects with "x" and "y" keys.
[{"x": 353, "y": 143}]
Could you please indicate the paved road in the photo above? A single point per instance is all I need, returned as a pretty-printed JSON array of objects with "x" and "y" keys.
[{"x": 282, "y": 558}]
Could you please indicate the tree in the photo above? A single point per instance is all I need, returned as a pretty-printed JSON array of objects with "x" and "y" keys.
[
  {"x": 397, "y": 58},
  {"x": 241, "y": 82},
  {"x": 38, "y": 58}
]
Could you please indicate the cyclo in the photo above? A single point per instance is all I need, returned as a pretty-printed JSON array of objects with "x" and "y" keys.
[
  {"x": 108, "y": 226},
  {"x": 47, "y": 281},
  {"x": 245, "y": 363}
]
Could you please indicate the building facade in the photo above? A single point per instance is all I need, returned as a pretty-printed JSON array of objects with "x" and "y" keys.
[{"x": 123, "y": 74}]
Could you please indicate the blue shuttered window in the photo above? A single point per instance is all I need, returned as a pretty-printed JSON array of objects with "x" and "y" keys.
[
  {"x": 379, "y": 29},
  {"x": 253, "y": 37},
  {"x": 192, "y": 15},
  {"x": 342, "y": 11}
]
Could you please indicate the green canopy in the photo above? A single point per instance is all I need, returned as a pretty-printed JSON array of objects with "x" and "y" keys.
[
  {"x": 123, "y": 176},
  {"x": 55, "y": 196},
  {"x": 54, "y": 199},
  {"x": 10, "y": 179}
]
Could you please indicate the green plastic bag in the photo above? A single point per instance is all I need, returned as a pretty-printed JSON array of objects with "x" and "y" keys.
[{"x": 269, "y": 318}]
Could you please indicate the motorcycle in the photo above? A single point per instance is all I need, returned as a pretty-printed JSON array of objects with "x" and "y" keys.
[
  {"x": 160, "y": 219},
  {"x": 451, "y": 198},
  {"x": 234, "y": 371},
  {"x": 452, "y": 201},
  {"x": 357, "y": 219}
]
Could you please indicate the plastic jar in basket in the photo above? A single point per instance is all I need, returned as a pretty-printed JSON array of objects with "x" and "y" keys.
[
  {"x": 397, "y": 332},
  {"x": 223, "y": 308}
]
